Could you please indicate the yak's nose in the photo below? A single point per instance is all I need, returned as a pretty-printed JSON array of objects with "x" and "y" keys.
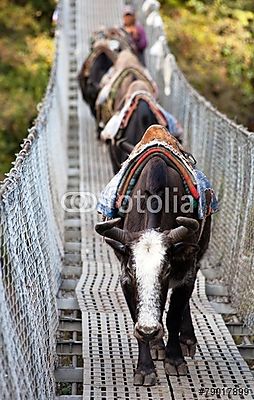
[{"x": 147, "y": 333}]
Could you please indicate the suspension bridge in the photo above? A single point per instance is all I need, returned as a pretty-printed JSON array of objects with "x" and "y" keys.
[{"x": 65, "y": 330}]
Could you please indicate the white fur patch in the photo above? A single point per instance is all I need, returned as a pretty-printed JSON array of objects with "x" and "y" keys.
[{"x": 149, "y": 253}]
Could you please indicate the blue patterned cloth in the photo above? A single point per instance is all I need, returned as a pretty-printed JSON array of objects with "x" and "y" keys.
[
  {"x": 174, "y": 126},
  {"x": 203, "y": 185},
  {"x": 107, "y": 201}
]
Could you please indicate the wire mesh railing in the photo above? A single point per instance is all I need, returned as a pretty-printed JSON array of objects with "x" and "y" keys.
[
  {"x": 31, "y": 241},
  {"x": 225, "y": 151},
  {"x": 31, "y": 221}
]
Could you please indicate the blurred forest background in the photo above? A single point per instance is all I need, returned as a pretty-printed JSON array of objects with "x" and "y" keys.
[
  {"x": 213, "y": 41},
  {"x": 26, "y": 52}
]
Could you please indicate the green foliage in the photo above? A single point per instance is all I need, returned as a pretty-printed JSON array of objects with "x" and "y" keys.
[
  {"x": 214, "y": 44},
  {"x": 26, "y": 50}
]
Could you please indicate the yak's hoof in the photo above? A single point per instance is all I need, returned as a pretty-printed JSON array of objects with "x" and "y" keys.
[
  {"x": 188, "y": 347},
  {"x": 157, "y": 350},
  {"x": 144, "y": 379},
  {"x": 175, "y": 367}
]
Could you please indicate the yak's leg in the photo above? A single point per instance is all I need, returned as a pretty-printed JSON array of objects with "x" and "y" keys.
[
  {"x": 157, "y": 349},
  {"x": 174, "y": 361},
  {"x": 188, "y": 340},
  {"x": 128, "y": 294},
  {"x": 145, "y": 372}
]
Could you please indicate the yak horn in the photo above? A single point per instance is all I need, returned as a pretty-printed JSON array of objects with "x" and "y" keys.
[
  {"x": 188, "y": 226},
  {"x": 109, "y": 230},
  {"x": 124, "y": 145}
]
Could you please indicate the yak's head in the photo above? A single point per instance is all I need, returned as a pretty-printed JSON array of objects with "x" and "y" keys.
[
  {"x": 146, "y": 269},
  {"x": 89, "y": 81}
]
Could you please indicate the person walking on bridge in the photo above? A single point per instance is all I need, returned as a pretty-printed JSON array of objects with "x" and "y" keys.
[{"x": 135, "y": 30}]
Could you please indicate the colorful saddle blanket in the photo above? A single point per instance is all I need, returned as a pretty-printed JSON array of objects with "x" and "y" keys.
[
  {"x": 121, "y": 119},
  {"x": 106, "y": 99},
  {"x": 93, "y": 56},
  {"x": 114, "y": 198}
]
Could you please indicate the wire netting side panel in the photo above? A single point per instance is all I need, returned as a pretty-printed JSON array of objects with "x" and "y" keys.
[
  {"x": 31, "y": 242},
  {"x": 224, "y": 151}
]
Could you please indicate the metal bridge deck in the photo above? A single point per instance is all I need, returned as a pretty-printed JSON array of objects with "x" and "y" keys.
[{"x": 109, "y": 348}]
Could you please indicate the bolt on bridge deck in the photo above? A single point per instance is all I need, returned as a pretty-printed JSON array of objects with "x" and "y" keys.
[{"x": 109, "y": 348}]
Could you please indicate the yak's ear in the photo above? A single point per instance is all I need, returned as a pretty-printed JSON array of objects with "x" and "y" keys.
[
  {"x": 121, "y": 250},
  {"x": 183, "y": 251}
]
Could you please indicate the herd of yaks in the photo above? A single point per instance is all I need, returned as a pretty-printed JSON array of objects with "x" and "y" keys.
[{"x": 161, "y": 238}]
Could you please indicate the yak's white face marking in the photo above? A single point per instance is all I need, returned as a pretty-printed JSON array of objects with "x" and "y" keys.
[{"x": 149, "y": 253}]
